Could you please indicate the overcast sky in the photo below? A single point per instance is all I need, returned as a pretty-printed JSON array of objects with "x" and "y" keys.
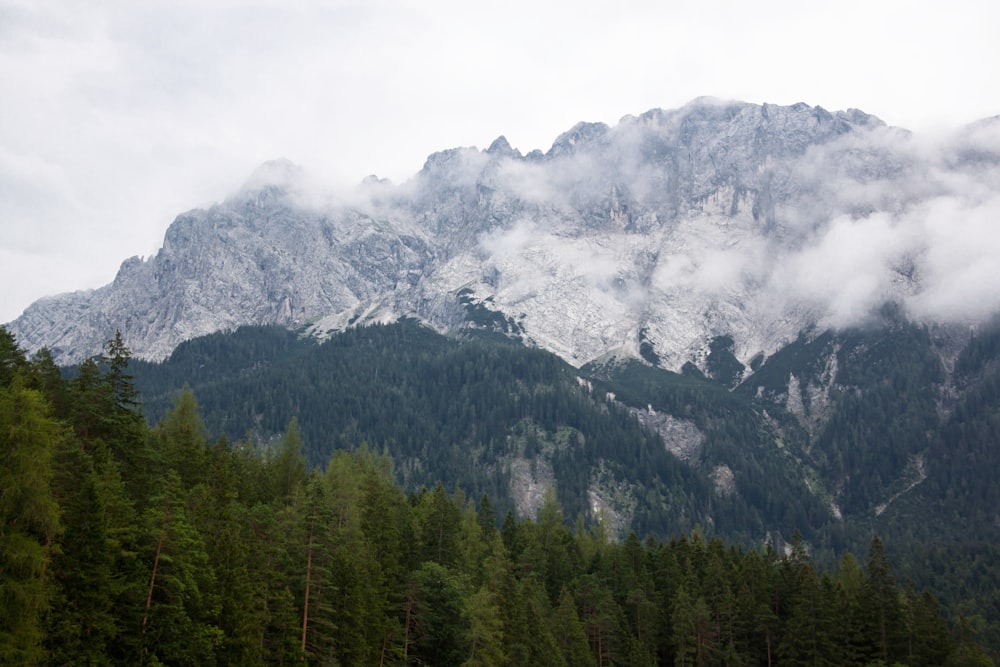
[{"x": 117, "y": 116}]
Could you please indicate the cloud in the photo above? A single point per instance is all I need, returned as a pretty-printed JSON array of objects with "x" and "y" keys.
[
  {"x": 960, "y": 265},
  {"x": 867, "y": 218},
  {"x": 925, "y": 233},
  {"x": 843, "y": 273}
]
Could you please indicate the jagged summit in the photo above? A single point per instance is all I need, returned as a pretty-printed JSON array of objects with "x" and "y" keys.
[
  {"x": 280, "y": 173},
  {"x": 501, "y": 147},
  {"x": 581, "y": 134},
  {"x": 660, "y": 233}
]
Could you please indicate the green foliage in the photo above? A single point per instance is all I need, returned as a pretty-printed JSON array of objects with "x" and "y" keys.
[
  {"x": 193, "y": 551},
  {"x": 11, "y": 358},
  {"x": 184, "y": 441},
  {"x": 29, "y": 520},
  {"x": 458, "y": 411}
]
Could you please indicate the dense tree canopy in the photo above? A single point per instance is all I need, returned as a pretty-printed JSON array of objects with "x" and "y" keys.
[{"x": 123, "y": 544}]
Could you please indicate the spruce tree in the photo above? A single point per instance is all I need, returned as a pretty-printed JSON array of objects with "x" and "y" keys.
[{"x": 29, "y": 520}]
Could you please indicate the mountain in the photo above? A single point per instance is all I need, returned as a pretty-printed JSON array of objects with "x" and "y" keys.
[
  {"x": 657, "y": 235},
  {"x": 751, "y": 318}
]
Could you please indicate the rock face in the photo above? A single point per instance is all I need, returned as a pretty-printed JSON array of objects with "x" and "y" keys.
[{"x": 666, "y": 230}]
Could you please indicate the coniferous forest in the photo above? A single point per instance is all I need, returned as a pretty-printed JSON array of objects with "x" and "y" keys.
[{"x": 125, "y": 543}]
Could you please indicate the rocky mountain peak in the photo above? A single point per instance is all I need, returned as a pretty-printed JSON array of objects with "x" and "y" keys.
[
  {"x": 502, "y": 148},
  {"x": 280, "y": 173},
  {"x": 660, "y": 233},
  {"x": 580, "y": 136}
]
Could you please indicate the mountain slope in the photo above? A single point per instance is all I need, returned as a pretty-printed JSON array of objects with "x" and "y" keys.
[{"x": 480, "y": 413}]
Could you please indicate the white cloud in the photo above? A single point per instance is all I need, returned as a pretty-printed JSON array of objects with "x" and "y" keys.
[
  {"x": 844, "y": 272},
  {"x": 961, "y": 261}
]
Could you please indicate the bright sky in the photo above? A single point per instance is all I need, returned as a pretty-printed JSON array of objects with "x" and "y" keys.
[{"x": 115, "y": 116}]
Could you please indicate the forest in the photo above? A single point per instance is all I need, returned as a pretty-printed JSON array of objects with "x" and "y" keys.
[{"x": 125, "y": 543}]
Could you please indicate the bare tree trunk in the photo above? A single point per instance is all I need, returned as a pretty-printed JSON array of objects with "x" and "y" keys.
[
  {"x": 406, "y": 629},
  {"x": 152, "y": 581}
]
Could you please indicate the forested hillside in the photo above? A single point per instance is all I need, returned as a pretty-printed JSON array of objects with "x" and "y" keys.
[
  {"x": 481, "y": 414},
  {"x": 127, "y": 544},
  {"x": 837, "y": 435}
]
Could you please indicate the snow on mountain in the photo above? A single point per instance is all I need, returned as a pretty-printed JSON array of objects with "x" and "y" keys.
[{"x": 673, "y": 227}]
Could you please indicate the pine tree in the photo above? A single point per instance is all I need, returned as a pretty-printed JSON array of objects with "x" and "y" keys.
[
  {"x": 91, "y": 411},
  {"x": 274, "y": 567},
  {"x": 180, "y": 613},
  {"x": 692, "y": 623},
  {"x": 29, "y": 519},
  {"x": 184, "y": 441},
  {"x": 82, "y": 624},
  {"x": 12, "y": 357},
  {"x": 569, "y": 633},
  {"x": 806, "y": 639},
  {"x": 289, "y": 467},
  {"x": 880, "y": 604},
  {"x": 121, "y": 383},
  {"x": 47, "y": 377},
  {"x": 436, "y": 619},
  {"x": 967, "y": 652},
  {"x": 484, "y": 635}
]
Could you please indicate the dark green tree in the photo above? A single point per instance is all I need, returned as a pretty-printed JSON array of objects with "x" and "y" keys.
[
  {"x": 184, "y": 440},
  {"x": 12, "y": 357},
  {"x": 29, "y": 520},
  {"x": 289, "y": 467},
  {"x": 179, "y": 618}
]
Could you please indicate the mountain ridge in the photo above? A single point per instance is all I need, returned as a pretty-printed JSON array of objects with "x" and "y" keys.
[{"x": 666, "y": 230}]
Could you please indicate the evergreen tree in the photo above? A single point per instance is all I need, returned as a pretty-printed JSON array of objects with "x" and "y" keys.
[
  {"x": 91, "y": 412},
  {"x": 29, "y": 518},
  {"x": 180, "y": 613},
  {"x": 274, "y": 568},
  {"x": 83, "y": 624},
  {"x": 927, "y": 642},
  {"x": 290, "y": 464},
  {"x": 184, "y": 441},
  {"x": 880, "y": 605},
  {"x": 966, "y": 652},
  {"x": 122, "y": 385},
  {"x": 12, "y": 357},
  {"x": 47, "y": 377},
  {"x": 484, "y": 634},
  {"x": 569, "y": 633},
  {"x": 693, "y": 632},
  {"x": 807, "y": 632},
  {"x": 437, "y": 619}
]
